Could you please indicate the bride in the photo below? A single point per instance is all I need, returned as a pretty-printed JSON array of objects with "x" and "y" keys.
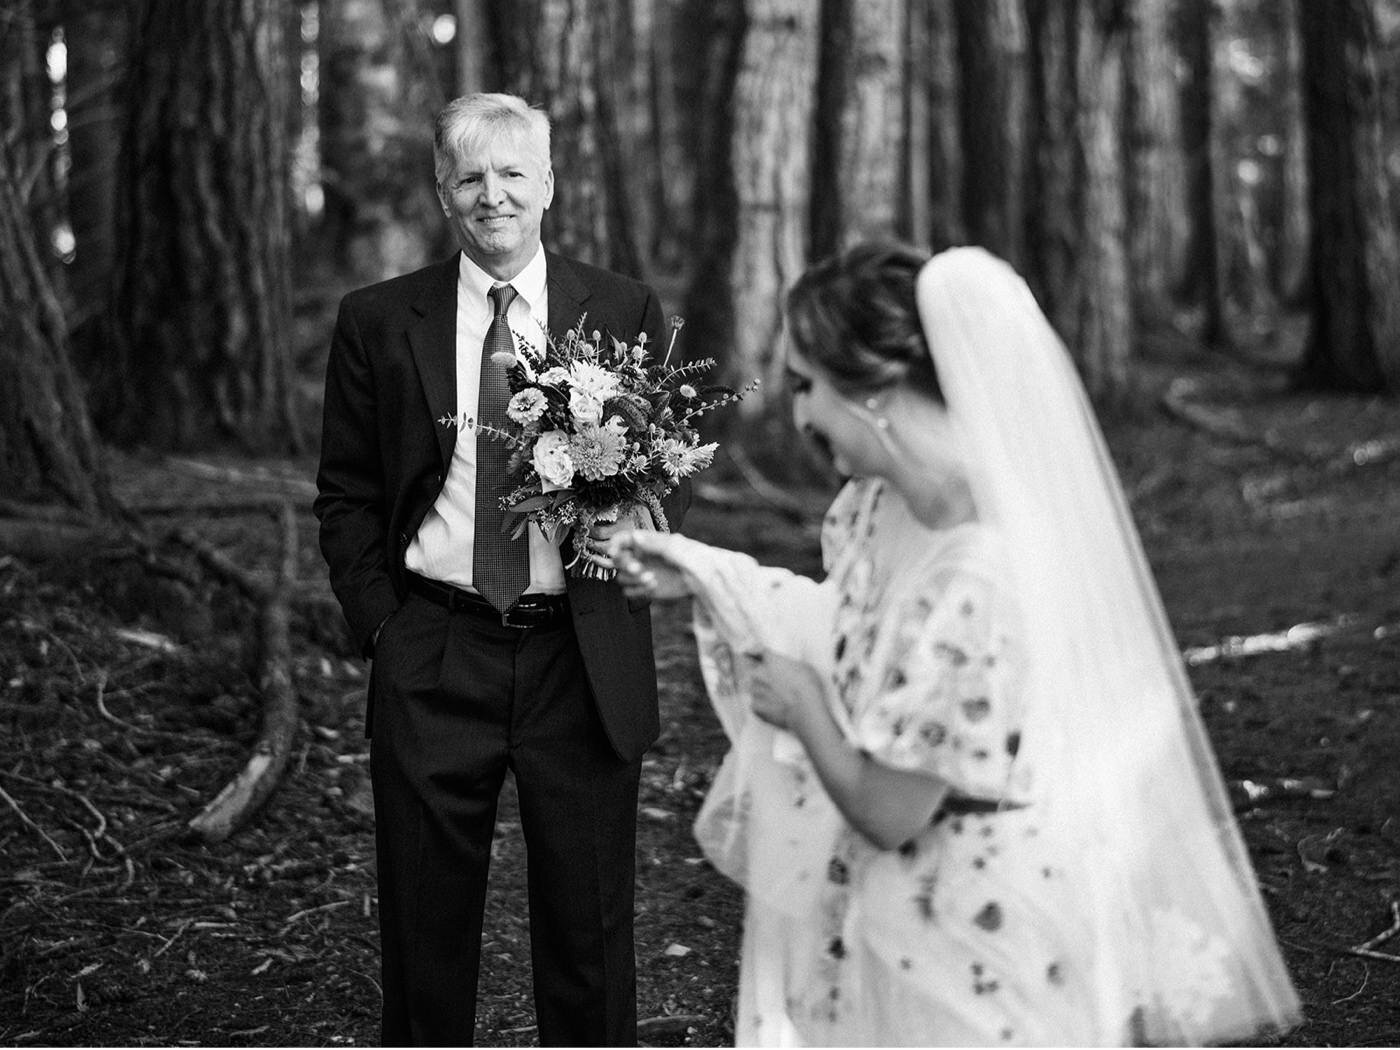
[{"x": 968, "y": 793}]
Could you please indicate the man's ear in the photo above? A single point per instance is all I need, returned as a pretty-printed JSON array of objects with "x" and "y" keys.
[{"x": 548, "y": 187}]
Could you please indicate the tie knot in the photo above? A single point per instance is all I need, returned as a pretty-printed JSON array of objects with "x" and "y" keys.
[{"x": 501, "y": 296}]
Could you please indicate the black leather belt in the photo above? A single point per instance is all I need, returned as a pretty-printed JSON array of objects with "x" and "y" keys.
[
  {"x": 529, "y": 610},
  {"x": 962, "y": 805}
]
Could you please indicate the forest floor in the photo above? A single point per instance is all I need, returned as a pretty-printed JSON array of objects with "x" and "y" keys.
[{"x": 127, "y": 701}]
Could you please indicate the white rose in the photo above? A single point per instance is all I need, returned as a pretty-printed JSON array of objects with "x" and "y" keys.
[
  {"x": 585, "y": 407},
  {"x": 551, "y": 459}
]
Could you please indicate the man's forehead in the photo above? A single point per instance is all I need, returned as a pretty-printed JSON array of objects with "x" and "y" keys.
[{"x": 502, "y": 150}]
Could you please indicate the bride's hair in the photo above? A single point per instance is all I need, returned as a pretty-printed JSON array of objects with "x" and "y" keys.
[{"x": 853, "y": 315}]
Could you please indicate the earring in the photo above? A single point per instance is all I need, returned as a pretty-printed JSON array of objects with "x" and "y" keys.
[{"x": 874, "y": 405}]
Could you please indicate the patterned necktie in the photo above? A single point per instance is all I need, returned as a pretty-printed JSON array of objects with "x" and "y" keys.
[{"x": 500, "y": 565}]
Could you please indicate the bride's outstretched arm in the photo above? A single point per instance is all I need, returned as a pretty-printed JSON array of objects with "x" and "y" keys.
[{"x": 888, "y": 806}]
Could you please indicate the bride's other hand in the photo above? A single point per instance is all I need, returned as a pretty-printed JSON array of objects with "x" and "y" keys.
[
  {"x": 785, "y": 691},
  {"x": 644, "y": 565}
]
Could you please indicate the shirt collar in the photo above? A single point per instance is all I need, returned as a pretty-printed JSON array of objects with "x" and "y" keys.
[{"x": 529, "y": 283}]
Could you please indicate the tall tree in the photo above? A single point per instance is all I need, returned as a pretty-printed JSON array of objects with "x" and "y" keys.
[
  {"x": 1077, "y": 240},
  {"x": 991, "y": 40},
  {"x": 201, "y": 318},
  {"x": 1205, "y": 274},
  {"x": 1354, "y": 341},
  {"x": 562, "y": 55},
  {"x": 1156, "y": 202},
  {"x": 94, "y": 34},
  {"x": 771, "y": 158},
  {"x": 1291, "y": 271},
  {"x": 708, "y": 49},
  {"x": 472, "y": 72},
  {"x": 936, "y": 154},
  {"x": 860, "y": 124},
  {"x": 378, "y": 97},
  {"x": 48, "y": 452}
]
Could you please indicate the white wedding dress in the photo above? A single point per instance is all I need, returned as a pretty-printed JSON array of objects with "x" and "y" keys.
[
  {"x": 957, "y": 938},
  {"x": 1087, "y": 884}
]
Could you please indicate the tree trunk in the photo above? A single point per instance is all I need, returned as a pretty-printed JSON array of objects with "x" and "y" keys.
[
  {"x": 709, "y": 41},
  {"x": 376, "y": 111},
  {"x": 1054, "y": 197},
  {"x": 48, "y": 452},
  {"x": 94, "y": 34},
  {"x": 991, "y": 41},
  {"x": 472, "y": 73},
  {"x": 1354, "y": 341},
  {"x": 202, "y": 316},
  {"x": 1205, "y": 283},
  {"x": 1156, "y": 202},
  {"x": 1104, "y": 338},
  {"x": 937, "y": 96},
  {"x": 1291, "y": 268},
  {"x": 669, "y": 48},
  {"x": 860, "y": 124},
  {"x": 774, "y": 100},
  {"x": 1077, "y": 241}
]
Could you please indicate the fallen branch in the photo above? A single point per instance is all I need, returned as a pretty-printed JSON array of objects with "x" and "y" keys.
[
  {"x": 254, "y": 784},
  {"x": 668, "y": 1024},
  {"x": 1366, "y": 949},
  {"x": 1247, "y": 793},
  {"x": 24, "y": 819},
  {"x": 292, "y": 488},
  {"x": 1224, "y": 425}
]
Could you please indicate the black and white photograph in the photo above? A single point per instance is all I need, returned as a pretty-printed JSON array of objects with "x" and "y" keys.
[{"x": 699, "y": 523}]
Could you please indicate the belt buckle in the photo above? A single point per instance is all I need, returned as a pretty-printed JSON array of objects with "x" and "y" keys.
[{"x": 506, "y": 621}]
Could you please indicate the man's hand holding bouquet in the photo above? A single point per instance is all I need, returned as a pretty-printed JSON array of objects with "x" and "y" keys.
[{"x": 601, "y": 432}]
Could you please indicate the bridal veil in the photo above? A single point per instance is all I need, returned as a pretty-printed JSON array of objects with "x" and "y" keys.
[{"x": 1174, "y": 928}]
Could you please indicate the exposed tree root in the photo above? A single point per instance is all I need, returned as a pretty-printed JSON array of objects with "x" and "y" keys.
[{"x": 254, "y": 784}]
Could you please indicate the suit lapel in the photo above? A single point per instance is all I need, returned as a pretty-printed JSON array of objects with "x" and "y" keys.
[
  {"x": 567, "y": 294},
  {"x": 433, "y": 340}
]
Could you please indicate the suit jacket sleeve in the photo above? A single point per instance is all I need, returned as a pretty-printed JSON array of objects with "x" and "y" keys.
[{"x": 352, "y": 502}]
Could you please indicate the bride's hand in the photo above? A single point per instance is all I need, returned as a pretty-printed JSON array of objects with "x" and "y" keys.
[
  {"x": 785, "y": 691},
  {"x": 644, "y": 566}
]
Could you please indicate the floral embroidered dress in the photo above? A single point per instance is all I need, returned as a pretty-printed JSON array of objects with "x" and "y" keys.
[{"x": 959, "y": 936}]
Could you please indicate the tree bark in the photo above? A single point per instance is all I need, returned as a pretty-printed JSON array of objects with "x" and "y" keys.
[
  {"x": 859, "y": 137},
  {"x": 48, "y": 452},
  {"x": 991, "y": 42},
  {"x": 472, "y": 72},
  {"x": 201, "y": 318},
  {"x": 1077, "y": 241},
  {"x": 94, "y": 35},
  {"x": 709, "y": 42},
  {"x": 937, "y": 98},
  {"x": 1156, "y": 202},
  {"x": 1205, "y": 278},
  {"x": 564, "y": 59},
  {"x": 1291, "y": 268},
  {"x": 377, "y": 104},
  {"x": 774, "y": 100},
  {"x": 1354, "y": 340},
  {"x": 1104, "y": 338}
]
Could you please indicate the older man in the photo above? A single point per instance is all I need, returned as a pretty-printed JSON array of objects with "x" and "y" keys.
[{"x": 487, "y": 655}]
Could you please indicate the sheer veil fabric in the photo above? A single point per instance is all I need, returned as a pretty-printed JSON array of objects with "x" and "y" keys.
[
  {"x": 1119, "y": 859},
  {"x": 1174, "y": 928}
]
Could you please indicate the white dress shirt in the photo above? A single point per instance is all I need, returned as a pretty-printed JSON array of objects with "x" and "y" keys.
[{"x": 442, "y": 549}]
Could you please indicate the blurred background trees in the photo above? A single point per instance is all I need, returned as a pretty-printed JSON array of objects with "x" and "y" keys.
[{"x": 187, "y": 186}]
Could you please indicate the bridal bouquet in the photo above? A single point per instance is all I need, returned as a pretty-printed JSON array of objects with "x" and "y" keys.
[{"x": 600, "y": 427}]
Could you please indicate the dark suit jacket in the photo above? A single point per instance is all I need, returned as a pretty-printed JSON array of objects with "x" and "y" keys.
[{"x": 384, "y": 454}]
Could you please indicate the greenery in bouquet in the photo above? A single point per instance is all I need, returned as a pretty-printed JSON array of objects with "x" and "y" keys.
[{"x": 600, "y": 426}]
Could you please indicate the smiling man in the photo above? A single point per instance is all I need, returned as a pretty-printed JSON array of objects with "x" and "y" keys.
[{"x": 487, "y": 656}]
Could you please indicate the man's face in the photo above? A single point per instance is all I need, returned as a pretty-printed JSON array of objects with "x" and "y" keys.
[{"x": 496, "y": 195}]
